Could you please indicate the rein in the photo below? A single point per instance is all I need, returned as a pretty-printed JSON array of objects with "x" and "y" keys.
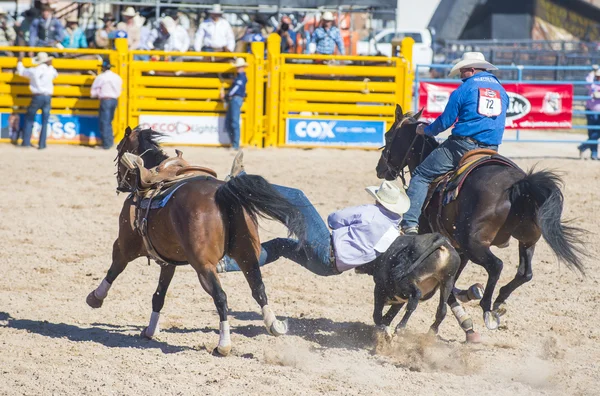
[{"x": 400, "y": 170}]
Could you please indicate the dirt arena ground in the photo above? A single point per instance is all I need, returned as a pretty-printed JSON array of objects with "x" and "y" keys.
[{"x": 59, "y": 220}]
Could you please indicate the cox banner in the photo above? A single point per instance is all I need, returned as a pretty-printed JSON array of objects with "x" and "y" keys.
[
  {"x": 188, "y": 129},
  {"x": 352, "y": 133},
  {"x": 61, "y": 128},
  {"x": 531, "y": 106}
]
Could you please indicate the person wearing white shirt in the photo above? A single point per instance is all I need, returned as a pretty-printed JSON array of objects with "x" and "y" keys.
[
  {"x": 41, "y": 84},
  {"x": 107, "y": 87},
  {"x": 169, "y": 36},
  {"x": 215, "y": 34}
]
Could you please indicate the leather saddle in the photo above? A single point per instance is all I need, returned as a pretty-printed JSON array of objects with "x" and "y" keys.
[
  {"x": 168, "y": 172},
  {"x": 446, "y": 188}
]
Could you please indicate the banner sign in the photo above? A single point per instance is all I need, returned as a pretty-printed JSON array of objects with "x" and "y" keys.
[
  {"x": 531, "y": 106},
  {"x": 61, "y": 128},
  {"x": 188, "y": 129},
  {"x": 351, "y": 133}
]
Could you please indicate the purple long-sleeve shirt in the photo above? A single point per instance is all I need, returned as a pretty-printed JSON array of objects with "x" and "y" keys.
[
  {"x": 593, "y": 104},
  {"x": 357, "y": 230}
]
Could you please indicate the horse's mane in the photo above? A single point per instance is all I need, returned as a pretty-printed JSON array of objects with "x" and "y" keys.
[{"x": 149, "y": 145}]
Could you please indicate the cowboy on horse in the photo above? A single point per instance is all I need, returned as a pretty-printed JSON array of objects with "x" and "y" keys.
[{"x": 477, "y": 109}]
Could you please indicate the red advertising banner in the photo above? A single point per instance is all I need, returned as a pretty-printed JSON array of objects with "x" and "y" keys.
[{"x": 532, "y": 106}]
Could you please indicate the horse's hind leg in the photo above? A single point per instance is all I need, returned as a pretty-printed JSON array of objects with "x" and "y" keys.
[
  {"x": 413, "y": 300},
  {"x": 209, "y": 280},
  {"x": 463, "y": 318},
  {"x": 158, "y": 300},
  {"x": 120, "y": 259},
  {"x": 524, "y": 275}
]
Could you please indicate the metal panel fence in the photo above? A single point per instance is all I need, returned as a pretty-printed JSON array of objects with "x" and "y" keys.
[{"x": 573, "y": 75}]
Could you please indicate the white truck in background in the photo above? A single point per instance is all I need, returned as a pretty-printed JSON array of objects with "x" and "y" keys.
[{"x": 381, "y": 44}]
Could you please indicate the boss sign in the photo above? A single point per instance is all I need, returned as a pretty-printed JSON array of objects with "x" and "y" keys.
[{"x": 317, "y": 133}]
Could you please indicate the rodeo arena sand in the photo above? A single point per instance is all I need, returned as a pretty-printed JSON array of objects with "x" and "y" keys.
[{"x": 59, "y": 221}]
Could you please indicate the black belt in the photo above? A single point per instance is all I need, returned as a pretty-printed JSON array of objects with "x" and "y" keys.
[{"x": 470, "y": 140}]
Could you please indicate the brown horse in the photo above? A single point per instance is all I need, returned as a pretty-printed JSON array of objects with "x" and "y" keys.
[
  {"x": 205, "y": 219},
  {"x": 495, "y": 203}
]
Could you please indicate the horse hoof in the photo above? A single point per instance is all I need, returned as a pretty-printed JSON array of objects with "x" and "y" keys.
[
  {"x": 500, "y": 309},
  {"x": 144, "y": 334},
  {"x": 93, "y": 301},
  {"x": 473, "y": 337},
  {"x": 475, "y": 292},
  {"x": 279, "y": 328},
  {"x": 222, "y": 350},
  {"x": 491, "y": 319}
]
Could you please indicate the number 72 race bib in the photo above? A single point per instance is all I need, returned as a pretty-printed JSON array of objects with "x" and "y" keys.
[{"x": 490, "y": 102}]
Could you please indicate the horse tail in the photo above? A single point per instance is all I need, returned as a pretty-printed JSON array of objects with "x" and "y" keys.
[
  {"x": 256, "y": 195},
  {"x": 539, "y": 194}
]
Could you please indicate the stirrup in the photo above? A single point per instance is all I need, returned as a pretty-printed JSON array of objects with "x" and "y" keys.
[{"x": 410, "y": 231}]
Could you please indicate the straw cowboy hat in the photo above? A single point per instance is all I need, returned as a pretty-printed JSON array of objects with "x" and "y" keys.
[
  {"x": 390, "y": 196},
  {"x": 72, "y": 19},
  {"x": 129, "y": 12},
  {"x": 239, "y": 62},
  {"x": 216, "y": 10},
  {"x": 475, "y": 60},
  {"x": 42, "y": 57},
  {"x": 168, "y": 23},
  {"x": 327, "y": 16}
]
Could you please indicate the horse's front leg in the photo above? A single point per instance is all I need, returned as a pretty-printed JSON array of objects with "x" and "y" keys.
[
  {"x": 524, "y": 275},
  {"x": 123, "y": 253},
  {"x": 158, "y": 300}
]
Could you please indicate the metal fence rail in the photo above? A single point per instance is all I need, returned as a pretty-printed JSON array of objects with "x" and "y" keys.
[{"x": 531, "y": 75}]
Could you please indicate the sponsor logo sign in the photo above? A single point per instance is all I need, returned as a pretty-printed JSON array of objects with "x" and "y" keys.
[
  {"x": 531, "y": 106},
  {"x": 316, "y": 132},
  {"x": 61, "y": 128},
  {"x": 188, "y": 129}
]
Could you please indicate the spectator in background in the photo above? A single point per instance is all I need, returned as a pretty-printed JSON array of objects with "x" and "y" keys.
[
  {"x": 327, "y": 36},
  {"x": 169, "y": 36},
  {"x": 102, "y": 38},
  {"x": 131, "y": 27},
  {"x": 41, "y": 84},
  {"x": 253, "y": 35},
  {"x": 215, "y": 34},
  {"x": 288, "y": 36},
  {"x": 235, "y": 99},
  {"x": 74, "y": 35},
  {"x": 7, "y": 32},
  {"x": 593, "y": 120},
  {"x": 46, "y": 31},
  {"x": 107, "y": 87}
]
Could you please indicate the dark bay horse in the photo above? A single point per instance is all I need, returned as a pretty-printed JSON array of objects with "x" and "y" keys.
[
  {"x": 495, "y": 203},
  {"x": 205, "y": 219}
]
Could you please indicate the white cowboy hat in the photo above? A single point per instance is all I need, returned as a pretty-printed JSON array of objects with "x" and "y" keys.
[
  {"x": 2, "y": 11},
  {"x": 42, "y": 57},
  {"x": 327, "y": 16},
  {"x": 168, "y": 23},
  {"x": 239, "y": 62},
  {"x": 392, "y": 197},
  {"x": 216, "y": 9},
  {"x": 475, "y": 60},
  {"x": 129, "y": 12},
  {"x": 72, "y": 19}
]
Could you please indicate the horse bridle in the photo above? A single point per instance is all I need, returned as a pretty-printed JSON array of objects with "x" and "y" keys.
[
  {"x": 123, "y": 185},
  {"x": 400, "y": 171}
]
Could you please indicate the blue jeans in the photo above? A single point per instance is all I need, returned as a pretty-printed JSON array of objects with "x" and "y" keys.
[
  {"x": 442, "y": 160},
  {"x": 593, "y": 134},
  {"x": 105, "y": 118},
  {"x": 315, "y": 255},
  {"x": 232, "y": 120},
  {"x": 37, "y": 102}
]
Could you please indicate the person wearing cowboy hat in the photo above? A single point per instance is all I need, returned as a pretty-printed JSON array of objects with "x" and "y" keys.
[
  {"x": 46, "y": 31},
  {"x": 8, "y": 35},
  {"x": 74, "y": 35},
  {"x": 215, "y": 33},
  {"x": 327, "y": 36},
  {"x": 477, "y": 109},
  {"x": 169, "y": 36},
  {"x": 593, "y": 120},
  {"x": 358, "y": 234},
  {"x": 107, "y": 87},
  {"x": 102, "y": 35},
  {"x": 132, "y": 28},
  {"x": 235, "y": 99},
  {"x": 41, "y": 78}
]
